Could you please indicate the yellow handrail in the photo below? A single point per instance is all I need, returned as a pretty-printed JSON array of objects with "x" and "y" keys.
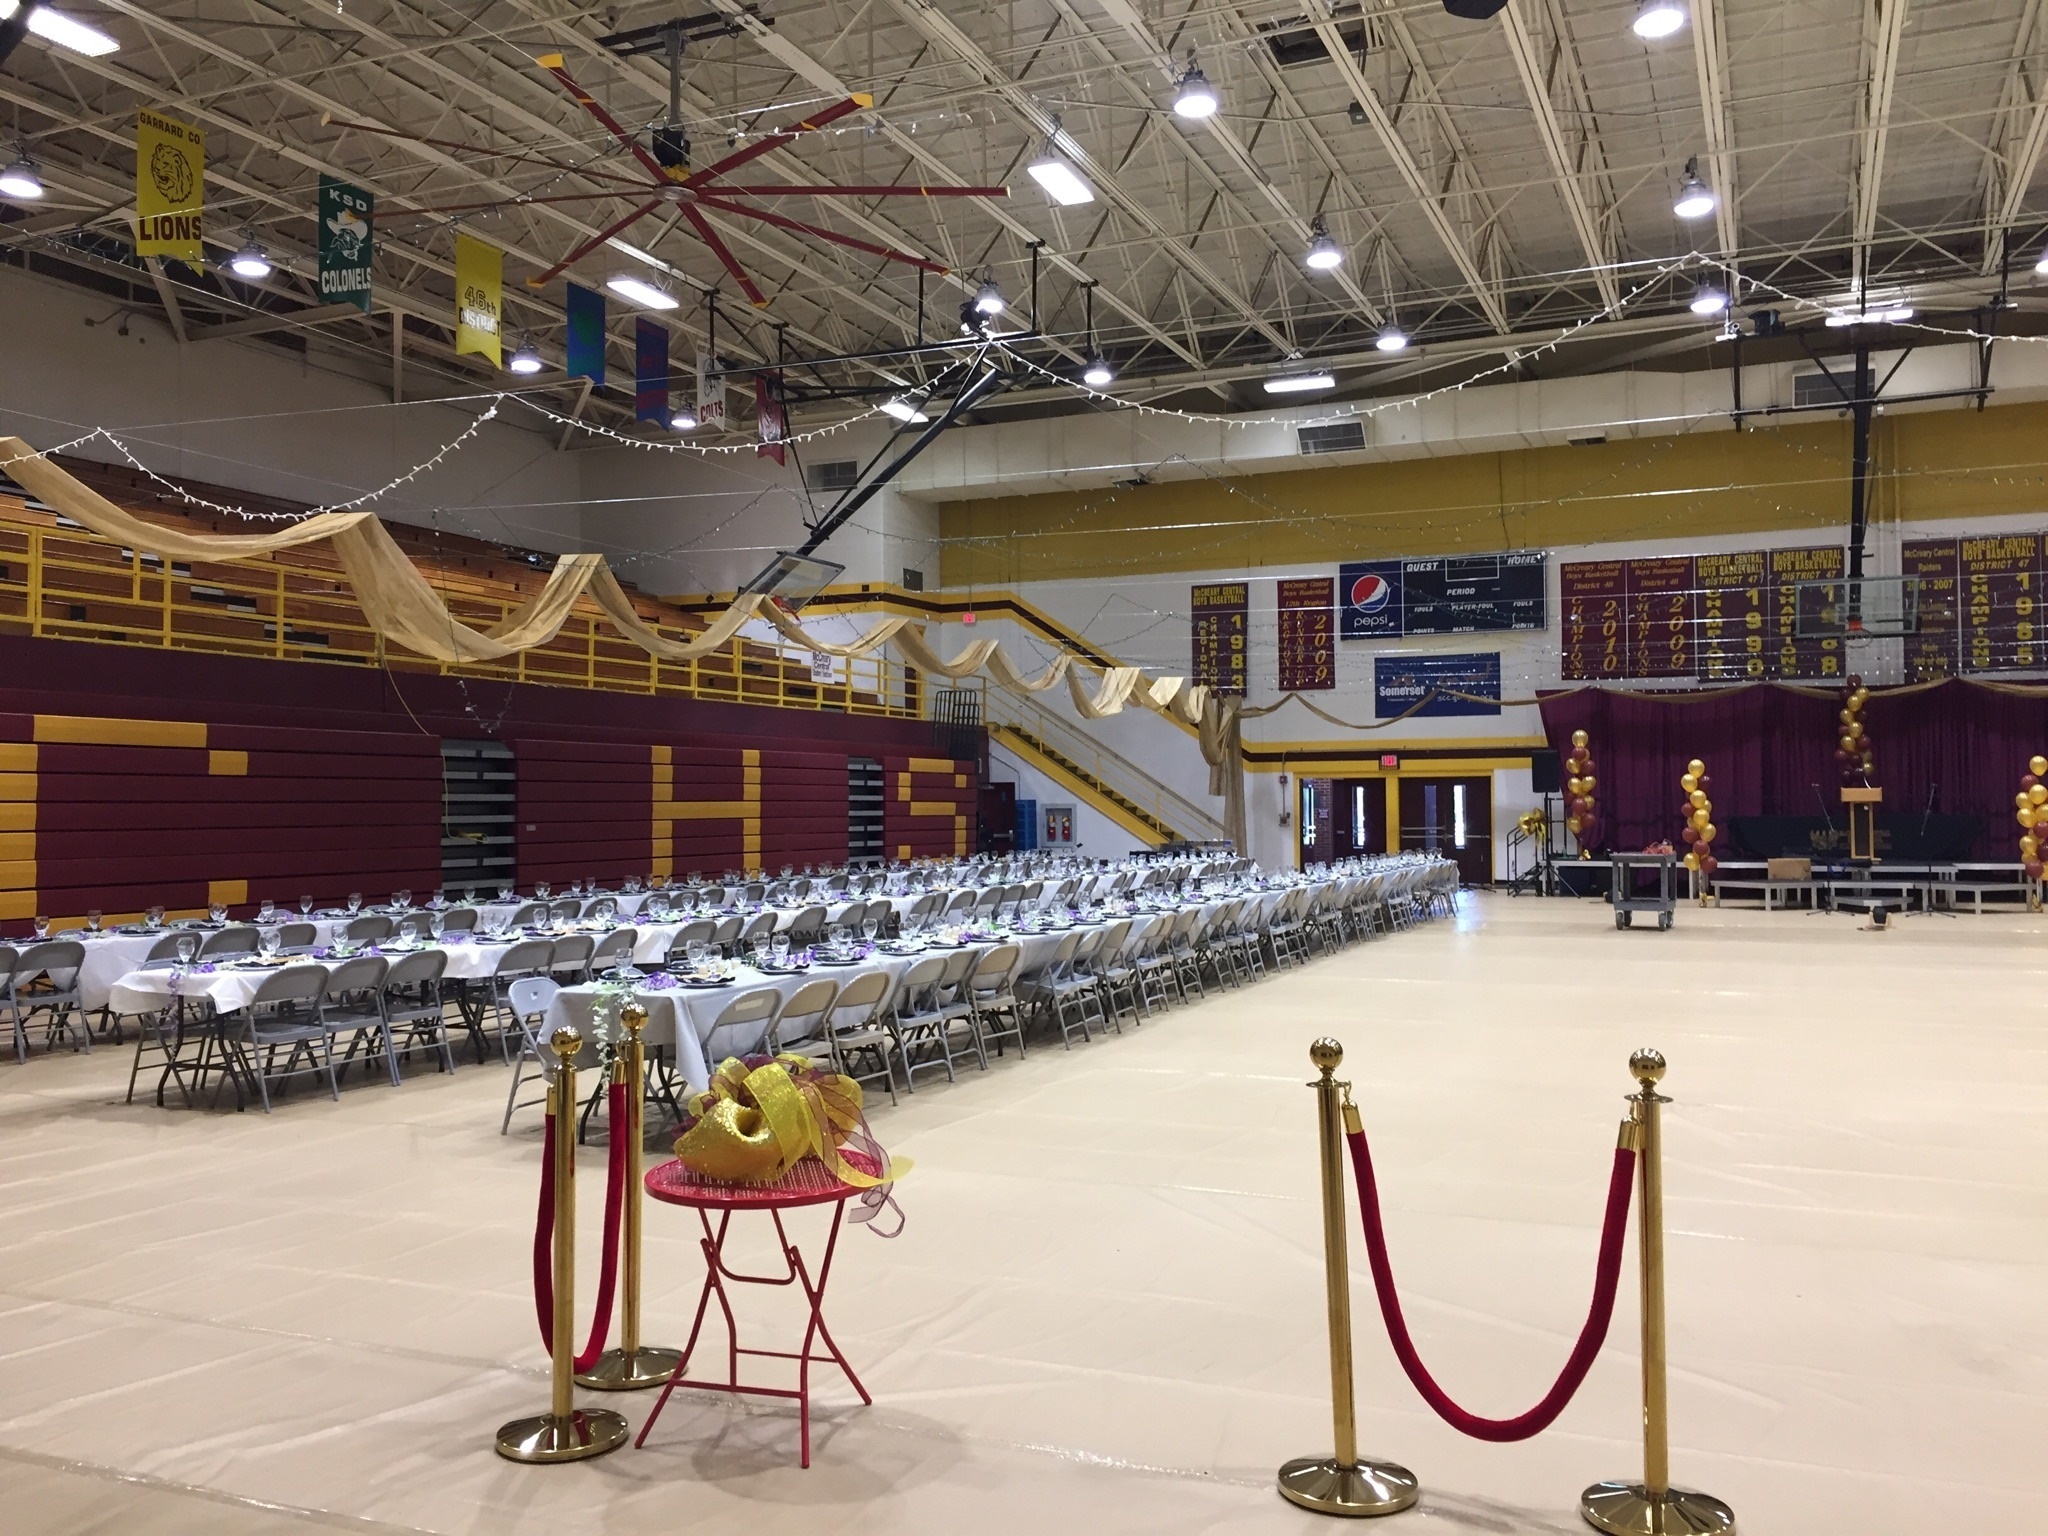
[{"x": 68, "y": 583}]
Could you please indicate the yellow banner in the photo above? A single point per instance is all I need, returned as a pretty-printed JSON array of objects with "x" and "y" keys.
[
  {"x": 479, "y": 297},
  {"x": 170, "y": 187}
]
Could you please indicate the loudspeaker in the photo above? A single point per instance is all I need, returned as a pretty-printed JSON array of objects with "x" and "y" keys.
[
  {"x": 1475, "y": 10},
  {"x": 1544, "y": 772}
]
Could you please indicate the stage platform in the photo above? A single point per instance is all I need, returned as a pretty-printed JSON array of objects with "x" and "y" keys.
[
  {"x": 1106, "y": 1312},
  {"x": 1897, "y": 885}
]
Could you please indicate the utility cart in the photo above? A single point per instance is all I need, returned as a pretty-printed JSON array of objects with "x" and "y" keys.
[{"x": 1628, "y": 899}]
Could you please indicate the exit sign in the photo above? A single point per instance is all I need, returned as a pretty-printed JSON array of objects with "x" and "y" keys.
[{"x": 1390, "y": 760}]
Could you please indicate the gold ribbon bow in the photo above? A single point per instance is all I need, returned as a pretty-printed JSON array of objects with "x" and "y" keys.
[{"x": 753, "y": 1124}]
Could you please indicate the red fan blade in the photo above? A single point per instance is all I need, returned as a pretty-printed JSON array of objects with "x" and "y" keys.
[
  {"x": 552, "y": 63},
  {"x": 856, "y": 103},
  {"x": 725, "y": 189},
  {"x": 719, "y": 249},
  {"x": 330, "y": 121},
  {"x": 518, "y": 202},
  {"x": 825, "y": 234},
  {"x": 590, "y": 245}
]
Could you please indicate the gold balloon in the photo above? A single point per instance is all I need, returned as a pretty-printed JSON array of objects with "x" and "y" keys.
[
  {"x": 1700, "y": 819},
  {"x": 1695, "y": 767},
  {"x": 1699, "y": 798},
  {"x": 2038, "y": 794},
  {"x": 2024, "y": 815},
  {"x": 1704, "y": 841},
  {"x": 1707, "y": 832},
  {"x": 1576, "y": 785},
  {"x": 2038, "y": 766},
  {"x": 1573, "y": 825},
  {"x": 2030, "y": 845},
  {"x": 1692, "y": 861},
  {"x": 1848, "y": 743},
  {"x": 1588, "y": 782},
  {"x": 2022, "y": 799},
  {"x": 1578, "y": 738},
  {"x": 1859, "y": 698},
  {"x": 1689, "y": 782}
]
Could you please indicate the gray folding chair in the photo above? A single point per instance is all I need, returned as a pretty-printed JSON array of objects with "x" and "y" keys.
[
  {"x": 743, "y": 1026},
  {"x": 613, "y": 950},
  {"x": 283, "y": 1015},
  {"x": 235, "y": 939},
  {"x": 804, "y": 1024},
  {"x": 917, "y": 1020},
  {"x": 528, "y": 999},
  {"x": 353, "y": 1005},
  {"x": 45, "y": 980},
  {"x": 861, "y": 1043},
  {"x": 412, "y": 1003},
  {"x": 368, "y": 928},
  {"x": 991, "y": 994}
]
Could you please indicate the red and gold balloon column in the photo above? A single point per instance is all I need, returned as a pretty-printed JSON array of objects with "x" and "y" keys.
[
  {"x": 1698, "y": 830},
  {"x": 1852, "y": 751},
  {"x": 1582, "y": 809},
  {"x": 2032, "y": 803}
]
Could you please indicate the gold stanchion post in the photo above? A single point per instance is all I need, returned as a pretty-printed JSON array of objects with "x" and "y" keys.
[
  {"x": 632, "y": 1365},
  {"x": 1652, "y": 1507},
  {"x": 1340, "y": 1484},
  {"x": 565, "y": 1432}
]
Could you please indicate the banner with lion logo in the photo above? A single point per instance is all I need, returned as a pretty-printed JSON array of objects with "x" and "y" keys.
[{"x": 170, "y": 187}]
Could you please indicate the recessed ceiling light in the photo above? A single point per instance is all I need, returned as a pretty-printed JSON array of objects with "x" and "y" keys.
[
  {"x": 1658, "y": 18},
  {"x": 1054, "y": 172},
  {"x": 20, "y": 180},
  {"x": 637, "y": 290},
  {"x": 69, "y": 32},
  {"x": 1299, "y": 383}
]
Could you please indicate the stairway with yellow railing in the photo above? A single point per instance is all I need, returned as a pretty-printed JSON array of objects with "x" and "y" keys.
[{"x": 1110, "y": 782}]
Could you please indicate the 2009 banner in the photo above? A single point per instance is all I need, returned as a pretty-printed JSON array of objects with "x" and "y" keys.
[{"x": 1742, "y": 616}]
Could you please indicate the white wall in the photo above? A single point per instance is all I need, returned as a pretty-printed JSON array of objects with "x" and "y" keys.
[{"x": 1095, "y": 834}]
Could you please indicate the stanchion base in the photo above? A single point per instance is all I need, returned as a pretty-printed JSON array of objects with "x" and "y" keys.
[
  {"x": 616, "y": 1371},
  {"x": 585, "y": 1432},
  {"x": 1328, "y": 1486},
  {"x": 1626, "y": 1509}
]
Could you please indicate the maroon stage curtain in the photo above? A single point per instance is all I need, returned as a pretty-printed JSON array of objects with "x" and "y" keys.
[{"x": 1767, "y": 746}]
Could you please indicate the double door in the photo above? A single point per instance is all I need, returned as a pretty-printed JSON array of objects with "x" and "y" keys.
[{"x": 1452, "y": 817}]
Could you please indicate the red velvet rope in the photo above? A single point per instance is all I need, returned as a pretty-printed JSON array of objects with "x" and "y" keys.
[
  {"x": 1607, "y": 1276},
  {"x": 544, "y": 1234}
]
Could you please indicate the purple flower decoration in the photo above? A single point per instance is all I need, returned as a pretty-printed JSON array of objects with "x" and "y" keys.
[{"x": 659, "y": 981}]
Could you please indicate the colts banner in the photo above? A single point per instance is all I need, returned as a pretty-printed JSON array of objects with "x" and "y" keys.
[
  {"x": 170, "y": 187},
  {"x": 346, "y": 216},
  {"x": 650, "y": 372},
  {"x": 479, "y": 297},
  {"x": 770, "y": 416}
]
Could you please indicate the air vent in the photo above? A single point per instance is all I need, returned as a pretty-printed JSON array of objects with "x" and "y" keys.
[
  {"x": 913, "y": 579},
  {"x": 833, "y": 475},
  {"x": 1338, "y": 437},
  {"x": 1295, "y": 47},
  {"x": 1820, "y": 389}
]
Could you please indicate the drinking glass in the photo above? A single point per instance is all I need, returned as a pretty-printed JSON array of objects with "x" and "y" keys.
[
  {"x": 42, "y": 927},
  {"x": 779, "y": 947},
  {"x": 504, "y": 890},
  {"x": 154, "y": 918},
  {"x": 266, "y": 943},
  {"x": 305, "y": 906},
  {"x": 434, "y": 926},
  {"x": 92, "y": 921},
  {"x": 267, "y": 913},
  {"x": 541, "y": 888},
  {"x": 440, "y": 897},
  {"x": 355, "y": 902},
  {"x": 216, "y": 911},
  {"x": 869, "y": 928},
  {"x": 402, "y": 900},
  {"x": 696, "y": 950},
  {"x": 187, "y": 946}
]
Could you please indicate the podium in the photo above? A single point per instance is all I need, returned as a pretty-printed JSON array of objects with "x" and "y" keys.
[{"x": 1861, "y": 802}]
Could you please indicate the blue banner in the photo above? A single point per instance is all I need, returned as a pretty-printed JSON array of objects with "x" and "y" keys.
[
  {"x": 650, "y": 372},
  {"x": 1369, "y": 599},
  {"x": 1399, "y": 683},
  {"x": 586, "y": 334}
]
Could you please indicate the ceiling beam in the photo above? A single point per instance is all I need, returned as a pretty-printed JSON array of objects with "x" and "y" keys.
[
  {"x": 279, "y": 320},
  {"x": 1589, "y": 223},
  {"x": 2017, "y": 138},
  {"x": 1883, "y": 22},
  {"x": 1710, "y": 62},
  {"x": 1484, "y": 293}
]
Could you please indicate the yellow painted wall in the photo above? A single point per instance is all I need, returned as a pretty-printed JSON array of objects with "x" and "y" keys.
[{"x": 1931, "y": 465}]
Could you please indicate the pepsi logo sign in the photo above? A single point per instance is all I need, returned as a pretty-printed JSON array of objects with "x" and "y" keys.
[{"x": 1371, "y": 593}]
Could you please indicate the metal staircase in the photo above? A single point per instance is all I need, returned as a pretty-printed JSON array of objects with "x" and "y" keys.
[{"x": 1115, "y": 785}]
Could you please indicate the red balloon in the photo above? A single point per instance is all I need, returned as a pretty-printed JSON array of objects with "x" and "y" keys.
[
  {"x": 1710, "y": 863},
  {"x": 2033, "y": 869},
  {"x": 1841, "y": 757},
  {"x": 2028, "y": 781},
  {"x": 1855, "y": 682},
  {"x": 1705, "y": 782}
]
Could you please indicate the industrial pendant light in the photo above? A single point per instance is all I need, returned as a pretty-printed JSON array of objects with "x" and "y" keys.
[
  {"x": 1324, "y": 254},
  {"x": 20, "y": 181},
  {"x": 1657, "y": 19},
  {"x": 1194, "y": 97},
  {"x": 251, "y": 261},
  {"x": 1695, "y": 198}
]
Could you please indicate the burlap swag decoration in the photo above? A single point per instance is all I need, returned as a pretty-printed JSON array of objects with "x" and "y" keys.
[{"x": 405, "y": 610}]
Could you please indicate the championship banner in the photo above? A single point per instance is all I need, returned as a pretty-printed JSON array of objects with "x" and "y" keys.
[
  {"x": 347, "y": 217},
  {"x": 1220, "y": 615},
  {"x": 770, "y": 417},
  {"x": 710, "y": 393},
  {"x": 650, "y": 371},
  {"x": 1308, "y": 634},
  {"x": 586, "y": 334},
  {"x": 170, "y": 187},
  {"x": 479, "y": 298}
]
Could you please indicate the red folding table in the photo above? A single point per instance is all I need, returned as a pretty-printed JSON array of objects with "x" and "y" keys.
[{"x": 810, "y": 1182}]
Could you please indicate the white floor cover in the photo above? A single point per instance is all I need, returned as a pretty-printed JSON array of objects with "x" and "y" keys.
[{"x": 1105, "y": 1315}]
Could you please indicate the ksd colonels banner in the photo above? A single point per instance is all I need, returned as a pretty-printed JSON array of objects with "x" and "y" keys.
[
  {"x": 346, "y": 217},
  {"x": 170, "y": 187}
]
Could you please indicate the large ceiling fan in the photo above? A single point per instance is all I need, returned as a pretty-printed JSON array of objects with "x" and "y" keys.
[{"x": 670, "y": 183}]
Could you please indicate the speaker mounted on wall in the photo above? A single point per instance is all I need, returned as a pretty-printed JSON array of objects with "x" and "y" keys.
[{"x": 1474, "y": 10}]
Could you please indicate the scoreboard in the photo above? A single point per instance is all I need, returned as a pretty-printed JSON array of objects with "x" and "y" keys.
[
  {"x": 1451, "y": 595},
  {"x": 1724, "y": 618}
]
